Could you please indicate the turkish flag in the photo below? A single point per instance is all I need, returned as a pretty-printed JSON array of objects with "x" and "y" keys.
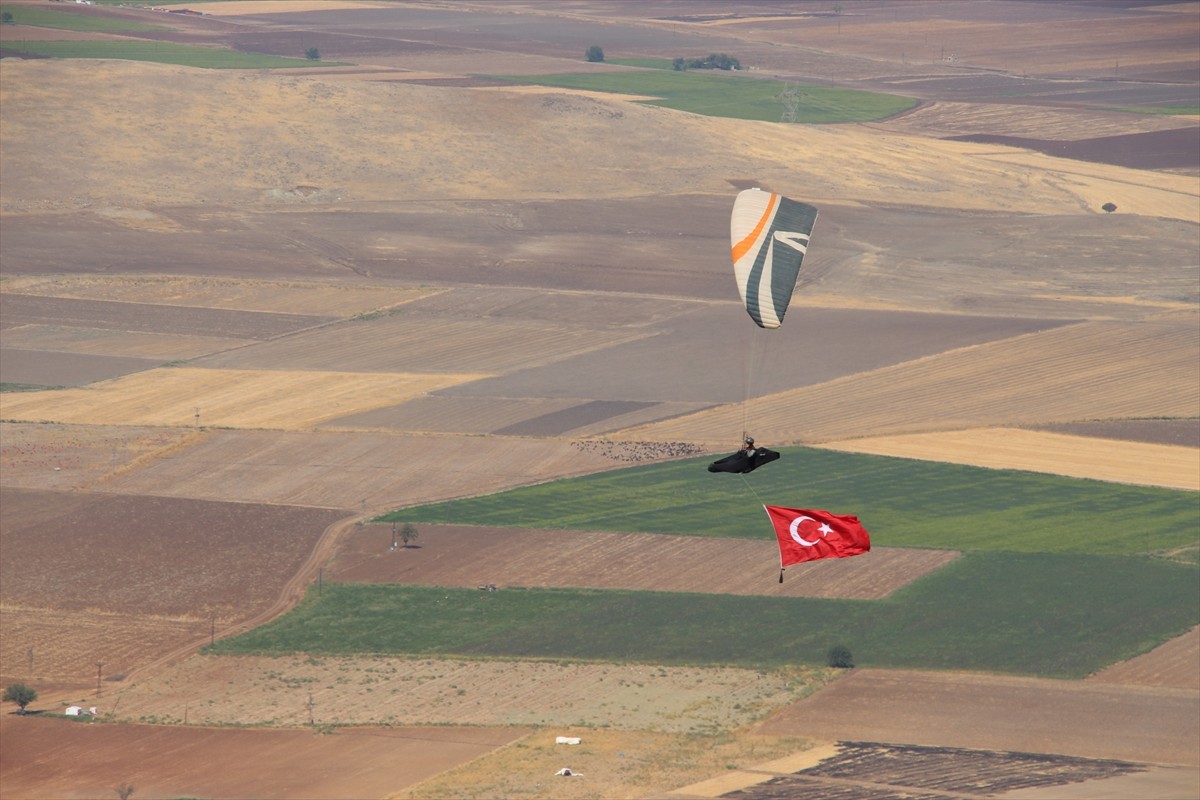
[{"x": 806, "y": 535}]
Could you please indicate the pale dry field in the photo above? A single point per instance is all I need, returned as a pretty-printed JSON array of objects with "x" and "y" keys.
[
  {"x": 324, "y": 299},
  {"x": 382, "y": 690},
  {"x": 283, "y": 400},
  {"x": 354, "y": 470},
  {"x": 378, "y": 161},
  {"x": 1037, "y": 451}
]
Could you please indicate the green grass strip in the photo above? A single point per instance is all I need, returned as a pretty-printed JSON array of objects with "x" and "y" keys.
[
  {"x": 902, "y": 502},
  {"x": 735, "y": 96},
  {"x": 26, "y": 387},
  {"x": 165, "y": 53},
  {"x": 1053, "y": 616},
  {"x": 40, "y": 17}
]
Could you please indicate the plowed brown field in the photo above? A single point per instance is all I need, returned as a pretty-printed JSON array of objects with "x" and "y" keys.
[
  {"x": 56, "y": 758},
  {"x": 1086, "y": 371},
  {"x": 512, "y": 557},
  {"x": 122, "y": 579}
]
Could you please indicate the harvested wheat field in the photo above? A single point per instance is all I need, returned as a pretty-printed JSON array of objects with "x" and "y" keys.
[
  {"x": 1038, "y": 451},
  {"x": 285, "y": 400},
  {"x": 280, "y": 297}
]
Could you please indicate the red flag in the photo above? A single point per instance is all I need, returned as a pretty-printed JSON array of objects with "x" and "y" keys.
[{"x": 806, "y": 535}]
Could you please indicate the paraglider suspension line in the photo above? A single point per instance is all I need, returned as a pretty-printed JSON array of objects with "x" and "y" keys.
[{"x": 742, "y": 475}]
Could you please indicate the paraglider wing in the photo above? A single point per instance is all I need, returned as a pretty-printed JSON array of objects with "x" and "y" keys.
[
  {"x": 744, "y": 461},
  {"x": 769, "y": 235}
]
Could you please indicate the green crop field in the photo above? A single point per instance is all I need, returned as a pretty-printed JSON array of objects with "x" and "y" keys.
[
  {"x": 1048, "y": 615},
  {"x": 163, "y": 53},
  {"x": 1060, "y": 576},
  {"x": 902, "y": 502},
  {"x": 737, "y": 96},
  {"x": 64, "y": 20}
]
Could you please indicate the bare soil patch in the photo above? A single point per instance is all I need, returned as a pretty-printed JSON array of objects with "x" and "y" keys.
[
  {"x": 455, "y": 555},
  {"x": 1085, "y": 371},
  {"x": 51, "y": 758},
  {"x": 308, "y": 299},
  {"x": 946, "y": 118},
  {"x": 1180, "y": 432},
  {"x": 353, "y": 470},
  {"x": 40, "y": 368},
  {"x": 1086, "y": 719},
  {"x": 1168, "y": 149},
  {"x": 1174, "y": 664},
  {"x": 55, "y": 341},
  {"x": 937, "y": 769},
  {"x": 174, "y": 569},
  {"x": 1048, "y": 41},
  {"x": 243, "y": 7},
  {"x": 37, "y": 456},
  {"x": 26, "y": 309}
]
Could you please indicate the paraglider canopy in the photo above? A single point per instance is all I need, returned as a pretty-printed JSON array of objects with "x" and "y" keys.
[{"x": 769, "y": 235}]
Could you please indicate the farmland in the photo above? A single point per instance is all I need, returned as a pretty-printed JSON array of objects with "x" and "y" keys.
[
  {"x": 726, "y": 96},
  {"x": 282, "y": 302},
  {"x": 906, "y": 503}
]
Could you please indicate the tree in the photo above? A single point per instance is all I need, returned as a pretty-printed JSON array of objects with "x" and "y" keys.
[
  {"x": 6, "y": 17},
  {"x": 594, "y": 53},
  {"x": 711, "y": 61},
  {"x": 20, "y": 694},
  {"x": 408, "y": 533},
  {"x": 1109, "y": 207},
  {"x": 124, "y": 791},
  {"x": 840, "y": 657},
  {"x": 679, "y": 64},
  {"x": 312, "y": 54}
]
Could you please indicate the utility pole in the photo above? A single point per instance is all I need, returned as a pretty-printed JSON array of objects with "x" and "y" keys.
[
  {"x": 99, "y": 666},
  {"x": 311, "y": 705},
  {"x": 791, "y": 102}
]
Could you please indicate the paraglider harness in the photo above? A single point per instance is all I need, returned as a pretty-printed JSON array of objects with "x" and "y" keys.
[{"x": 747, "y": 459}]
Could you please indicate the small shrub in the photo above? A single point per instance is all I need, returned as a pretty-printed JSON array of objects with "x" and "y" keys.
[{"x": 840, "y": 657}]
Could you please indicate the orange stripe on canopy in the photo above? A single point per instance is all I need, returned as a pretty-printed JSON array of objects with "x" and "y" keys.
[{"x": 741, "y": 248}]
